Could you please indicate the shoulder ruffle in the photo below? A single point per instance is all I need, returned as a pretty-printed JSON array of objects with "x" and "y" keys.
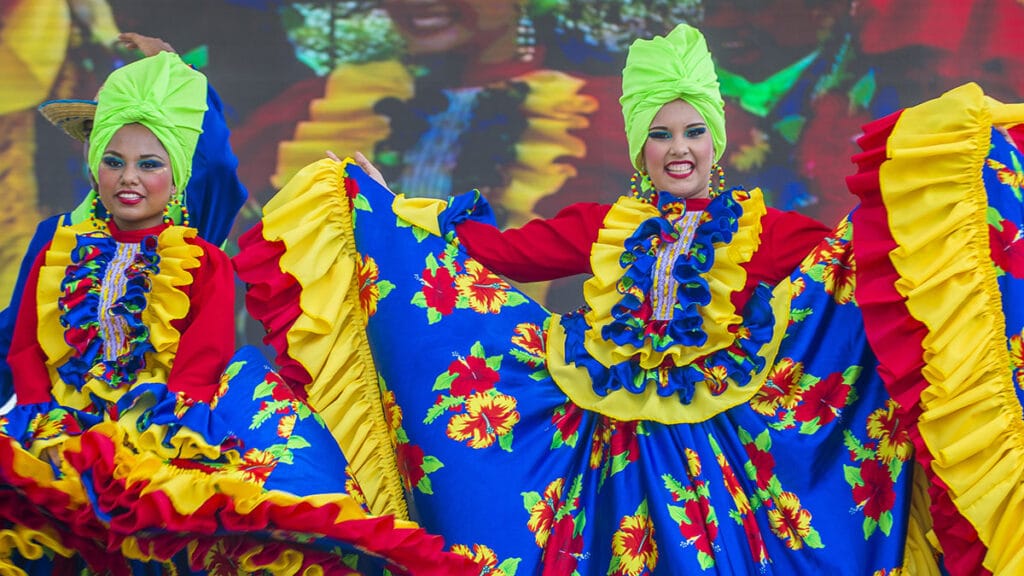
[
  {"x": 303, "y": 268},
  {"x": 933, "y": 313}
]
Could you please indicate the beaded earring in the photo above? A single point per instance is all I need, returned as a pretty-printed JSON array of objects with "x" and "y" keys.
[
  {"x": 641, "y": 187},
  {"x": 526, "y": 36},
  {"x": 98, "y": 222},
  {"x": 714, "y": 189},
  {"x": 176, "y": 210}
]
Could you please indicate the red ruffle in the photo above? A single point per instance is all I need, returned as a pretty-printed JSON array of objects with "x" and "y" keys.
[
  {"x": 897, "y": 339},
  {"x": 135, "y": 509},
  {"x": 273, "y": 299}
]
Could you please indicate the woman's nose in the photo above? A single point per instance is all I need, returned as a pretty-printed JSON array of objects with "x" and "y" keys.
[{"x": 129, "y": 174}]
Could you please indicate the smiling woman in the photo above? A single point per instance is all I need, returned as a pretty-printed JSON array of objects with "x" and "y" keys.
[
  {"x": 745, "y": 392},
  {"x": 141, "y": 439},
  {"x": 135, "y": 178}
]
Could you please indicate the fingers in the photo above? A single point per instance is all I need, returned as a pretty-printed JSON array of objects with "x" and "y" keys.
[
  {"x": 145, "y": 44},
  {"x": 333, "y": 156},
  {"x": 369, "y": 168}
]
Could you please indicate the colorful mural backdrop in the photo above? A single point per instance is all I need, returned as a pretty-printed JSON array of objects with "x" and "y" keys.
[{"x": 518, "y": 98}]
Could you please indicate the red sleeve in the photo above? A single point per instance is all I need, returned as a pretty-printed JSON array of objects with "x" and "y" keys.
[
  {"x": 208, "y": 332},
  {"x": 786, "y": 238},
  {"x": 26, "y": 358},
  {"x": 542, "y": 249}
]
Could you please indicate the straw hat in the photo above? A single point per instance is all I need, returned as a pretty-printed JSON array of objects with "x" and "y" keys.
[{"x": 70, "y": 116}]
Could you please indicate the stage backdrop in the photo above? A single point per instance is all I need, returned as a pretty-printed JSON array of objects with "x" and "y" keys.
[{"x": 516, "y": 98}]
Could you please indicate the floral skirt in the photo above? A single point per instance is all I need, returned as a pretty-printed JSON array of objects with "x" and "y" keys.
[
  {"x": 871, "y": 433},
  {"x": 254, "y": 483}
]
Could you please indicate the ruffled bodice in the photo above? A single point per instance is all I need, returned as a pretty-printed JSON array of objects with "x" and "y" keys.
[
  {"x": 660, "y": 338},
  {"x": 107, "y": 308}
]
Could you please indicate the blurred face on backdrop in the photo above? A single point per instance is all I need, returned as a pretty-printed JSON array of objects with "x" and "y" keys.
[
  {"x": 756, "y": 38},
  {"x": 134, "y": 178},
  {"x": 679, "y": 151},
  {"x": 484, "y": 29}
]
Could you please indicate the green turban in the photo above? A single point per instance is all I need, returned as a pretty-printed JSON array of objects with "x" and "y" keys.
[
  {"x": 163, "y": 94},
  {"x": 667, "y": 68}
]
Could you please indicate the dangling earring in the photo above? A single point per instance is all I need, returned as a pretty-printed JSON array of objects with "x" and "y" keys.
[
  {"x": 714, "y": 189},
  {"x": 526, "y": 36},
  {"x": 98, "y": 222},
  {"x": 170, "y": 207},
  {"x": 641, "y": 187}
]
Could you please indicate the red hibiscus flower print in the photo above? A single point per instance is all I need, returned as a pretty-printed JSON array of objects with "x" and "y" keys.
[
  {"x": 410, "y": 464},
  {"x": 1007, "y": 246},
  {"x": 824, "y": 400},
  {"x": 876, "y": 494},
  {"x": 439, "y": 290},
  {"x": 699, "y": 531},
  {"x": 567, "y": 419},
  {"x": 763, "y": 462},
  {"x": 564, "y": 547},
  {"x": 472, "y": 374}
]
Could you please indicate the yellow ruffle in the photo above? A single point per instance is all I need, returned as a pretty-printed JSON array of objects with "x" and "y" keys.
[
  {"x": 971, "y": 419},
  {"x": 727, "y": 276},
  {"x": 420, "y": 212},
  {"x": 622, "y": 404},
  {"x": 165, "y": 304},
  {"x": 311, "y": 217},
  {"x": 30, "y": 544},
  {"x": 189, "y": 490},
  {"x": 920, "y": 558}
]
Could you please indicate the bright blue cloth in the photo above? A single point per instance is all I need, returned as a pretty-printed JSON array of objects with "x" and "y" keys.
[{"x": 498, "y": 456}]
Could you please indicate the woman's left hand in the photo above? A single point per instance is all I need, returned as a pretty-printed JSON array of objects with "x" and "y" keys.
[{"x": 366, "y": 165}]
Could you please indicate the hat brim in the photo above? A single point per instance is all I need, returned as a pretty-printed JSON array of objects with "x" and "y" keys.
[{"x": 71, "y": 116}]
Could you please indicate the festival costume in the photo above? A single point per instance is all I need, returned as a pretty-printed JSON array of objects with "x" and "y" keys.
[
  {"x": 214, "y": 197},
  {"x": 141, "y": 441},
  {"x": 663, "y": 430}
]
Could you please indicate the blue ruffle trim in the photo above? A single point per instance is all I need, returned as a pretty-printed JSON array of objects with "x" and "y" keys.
[
  {"x": 29, "y": 423},
  {"x": 468, "y": 206},
  {"x": 628, "y": 327},
  {"x": 740, "y": 361},
  {"x": 81, "y": 304},
  {"x": 48, "y": 420}
]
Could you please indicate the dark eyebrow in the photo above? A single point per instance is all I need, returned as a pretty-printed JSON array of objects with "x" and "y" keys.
[{"x": 691, "y": 125}]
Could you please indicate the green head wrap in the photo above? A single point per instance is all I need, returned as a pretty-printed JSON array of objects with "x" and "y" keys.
[
  {"x": 667, "y": 68},
  {"x": 163, "y": 94}
]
